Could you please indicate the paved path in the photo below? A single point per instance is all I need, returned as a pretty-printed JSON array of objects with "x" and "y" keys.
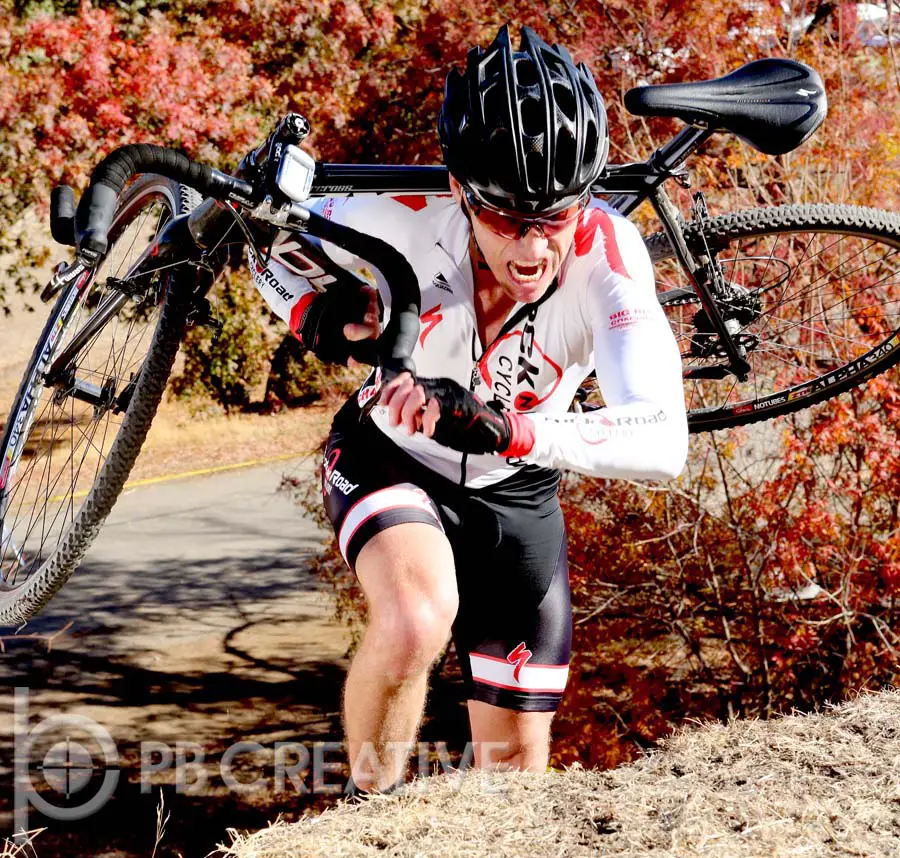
[
  {"x": 183, "y": 553},
  {"x": 195, "y": 618}
]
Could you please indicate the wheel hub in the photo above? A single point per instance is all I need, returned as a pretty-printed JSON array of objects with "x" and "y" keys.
[{"x": 740, "y": 308}]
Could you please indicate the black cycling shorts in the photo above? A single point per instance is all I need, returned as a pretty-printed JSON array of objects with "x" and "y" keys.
[{"x": 513, "y": 631}]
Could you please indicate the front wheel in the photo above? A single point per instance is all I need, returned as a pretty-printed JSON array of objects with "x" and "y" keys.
[
  {"x": 71, "y": 440},
  {"x": 814, "y": 298}
]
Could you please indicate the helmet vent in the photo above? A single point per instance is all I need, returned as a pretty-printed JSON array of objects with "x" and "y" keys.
[
  {"x": 565, "y": 101},
  {"x": 535, "y": 169},
  {"x": 495, "y": 104},
  {"x": 502, "y": 154},
  {"x": 564, "y": 160},
  {"x": 492, "y": 67},
  {"x": 533, "y": 117},
  {"x": 590, "y": 144},
  {"x": 526, "y": 72}
]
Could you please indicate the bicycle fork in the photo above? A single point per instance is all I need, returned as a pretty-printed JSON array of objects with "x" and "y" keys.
[{"x": 135, "y": 286}]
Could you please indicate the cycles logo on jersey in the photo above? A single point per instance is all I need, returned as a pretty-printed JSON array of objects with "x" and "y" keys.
[
  {"x": 333, "y": 478},
  {"x": 520, "y": 379}
]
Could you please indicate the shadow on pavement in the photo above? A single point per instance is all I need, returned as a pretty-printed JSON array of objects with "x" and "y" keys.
[
  {"x": 194, "y": 624},
  {"x": 203, "y": 653}
]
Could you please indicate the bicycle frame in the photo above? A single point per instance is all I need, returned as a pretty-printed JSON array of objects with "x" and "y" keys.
[{"x": 626, "y": 186}]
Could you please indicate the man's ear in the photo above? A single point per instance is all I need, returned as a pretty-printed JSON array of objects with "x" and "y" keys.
[{"x": 456, "y": 190}]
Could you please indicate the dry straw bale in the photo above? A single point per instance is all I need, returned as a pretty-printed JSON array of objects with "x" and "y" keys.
[{"x": 816, "y": 785}]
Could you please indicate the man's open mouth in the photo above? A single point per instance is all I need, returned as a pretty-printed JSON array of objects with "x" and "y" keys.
[{"x": 527, "y": 272}]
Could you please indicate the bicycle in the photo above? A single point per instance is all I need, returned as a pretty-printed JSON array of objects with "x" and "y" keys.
[{"x": 774, "y": 309}]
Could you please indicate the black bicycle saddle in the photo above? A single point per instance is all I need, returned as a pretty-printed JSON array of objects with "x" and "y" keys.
[{"x": 772, "y": 104}]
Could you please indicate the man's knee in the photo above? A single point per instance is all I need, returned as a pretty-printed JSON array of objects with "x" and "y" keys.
[
  {"x": 410, "y": 585},
  {"x": 508, "y": 739},
  {"x": 512, "y": 754},
  {"x": 409, "y": 639}
]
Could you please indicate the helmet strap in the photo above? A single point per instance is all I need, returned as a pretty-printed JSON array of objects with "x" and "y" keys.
[{"x": 475, "y": 252}]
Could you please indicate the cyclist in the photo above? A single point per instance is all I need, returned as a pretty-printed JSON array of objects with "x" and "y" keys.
[{"x": 447, "y": 507}]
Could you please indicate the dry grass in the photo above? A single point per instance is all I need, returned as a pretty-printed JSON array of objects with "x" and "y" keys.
[
  {"x": 22, "y": 849},
  {"x": 822, "y": 785},
  {"x": 183, "y": 440}
]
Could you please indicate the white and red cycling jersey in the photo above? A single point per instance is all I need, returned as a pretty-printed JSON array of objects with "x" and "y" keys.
[{"x": 603, "y": 315}]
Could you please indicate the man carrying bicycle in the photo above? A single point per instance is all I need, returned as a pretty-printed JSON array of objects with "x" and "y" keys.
[{"x": 446, "y": 506}]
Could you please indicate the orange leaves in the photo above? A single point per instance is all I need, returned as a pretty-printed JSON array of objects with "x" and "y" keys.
[{"x": 772, "y": 586}]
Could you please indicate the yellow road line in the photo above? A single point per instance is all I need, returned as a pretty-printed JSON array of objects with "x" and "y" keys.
[{"x": 199, "y": 472}]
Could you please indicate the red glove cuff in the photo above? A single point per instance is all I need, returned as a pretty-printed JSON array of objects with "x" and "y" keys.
[
  {"x": 521, "y": 435},
  {"x": 299, "y": 312}
]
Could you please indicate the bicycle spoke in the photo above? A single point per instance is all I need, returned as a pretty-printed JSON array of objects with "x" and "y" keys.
[
  {"x": 69, "y": 439},
  {"x": 823, "y": 299}
]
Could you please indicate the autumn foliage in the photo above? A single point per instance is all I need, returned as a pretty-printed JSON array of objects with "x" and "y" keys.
[
  {"x": 760, "y": 582},
  {"x": 685, "y": 595}
]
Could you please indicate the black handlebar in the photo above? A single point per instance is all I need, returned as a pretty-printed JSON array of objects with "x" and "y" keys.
[
  {"x": 95, "y": 212},
  {"x": 397, "y": 341},
  {"x": 98, "y": 205}
]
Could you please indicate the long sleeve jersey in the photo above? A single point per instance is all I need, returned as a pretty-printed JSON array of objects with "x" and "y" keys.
[{"x": 602, "y": 315}]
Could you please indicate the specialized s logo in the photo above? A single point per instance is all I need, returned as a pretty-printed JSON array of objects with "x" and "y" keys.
[
  {"x": 430, "y": 319},
  {"x": 519, "y": 657}
]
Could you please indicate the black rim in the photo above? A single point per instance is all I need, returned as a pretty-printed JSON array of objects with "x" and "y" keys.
[{"x": 817, "y": 310}]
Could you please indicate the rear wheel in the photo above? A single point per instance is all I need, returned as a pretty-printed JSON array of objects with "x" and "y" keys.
[
  {"x": 814, "y": 294},
  {"x": 70, "y": 441}
]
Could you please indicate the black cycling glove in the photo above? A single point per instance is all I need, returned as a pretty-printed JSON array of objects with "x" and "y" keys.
[
  {"x": 321, "y": 327},
  {"x": 466, "y": 423}
]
